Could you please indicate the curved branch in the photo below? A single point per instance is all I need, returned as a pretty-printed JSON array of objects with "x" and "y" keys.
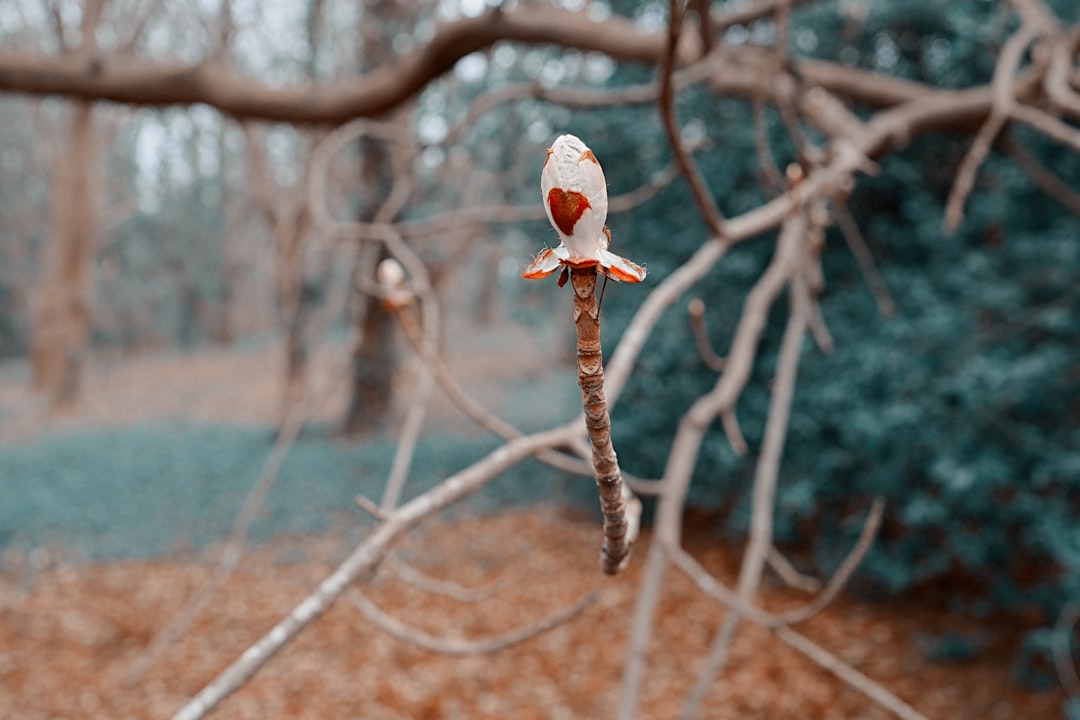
[
  {"x": 844, "y": 572},
  {"x": 1008, "y": 62},
  {"x": 140, "y": 81},
  {"x": 445, "y": 646},
  {"x": 449, "y": 588}
]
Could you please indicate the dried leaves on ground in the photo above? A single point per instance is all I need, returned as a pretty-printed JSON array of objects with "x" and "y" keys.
[{"x": 70, "y": 632}]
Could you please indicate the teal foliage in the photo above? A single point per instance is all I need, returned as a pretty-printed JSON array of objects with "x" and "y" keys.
[
  {"x": 141, "y": 492},
  {"x": 962, "y": 410}
]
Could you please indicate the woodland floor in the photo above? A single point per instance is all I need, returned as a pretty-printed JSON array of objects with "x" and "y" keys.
[{"x": 70, "y": 631}]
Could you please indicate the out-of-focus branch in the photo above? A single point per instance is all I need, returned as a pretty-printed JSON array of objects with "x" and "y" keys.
[
  {"x": 467, "y": 404},
  {"x": 740, "y": 359},
  {"x": 445, "y": 646},
  {"x": 766, "y": 476},
  {"x": 865, "y": 259},
  {"x": 364, "y": 559},
  {"x": 450, "y": 589},
  {"x": 1004, "y": 102},
  {"x": 844, "y": 572},
  {"x": 1050, "y": 183},
  {"x": 789, "y": 574},
  {"x": 848, "y": 674},
  {"x": 1061, "y": 646},
  {"x": 1048, "y": 125},
  {"x": 491, "y": 215},
  {"x": 140, "y": 81},
  {"x": 699, "y": 188},
  {"x": 696, "y": 310}
]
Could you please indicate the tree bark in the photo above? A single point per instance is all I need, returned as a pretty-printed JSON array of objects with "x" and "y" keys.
[
  {"x": 61, "y": 328},
  {"x": 374, "y": 361}
]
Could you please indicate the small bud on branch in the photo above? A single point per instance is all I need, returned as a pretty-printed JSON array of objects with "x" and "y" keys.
[{"x": 575, "y": 198}]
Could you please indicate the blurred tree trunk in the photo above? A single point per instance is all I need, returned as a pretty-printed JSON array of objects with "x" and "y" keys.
[
  {"x": 298, "y": 294},
  {"x": 374, "y": 363},
  {"x": 61, "y": 316}
]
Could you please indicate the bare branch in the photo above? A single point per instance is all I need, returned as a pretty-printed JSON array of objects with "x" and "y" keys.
[
  {"x": 414, "y": 417},
  {"x": 446, "y": 646},
  {"x": 718, "y": 590},
  {"x": 696, "y": 310},
  {"x": 772, "y": 180},
  {"x": 1035, "y": 14},
  {"x": 865, "y": 260},
  {"x": 236, "y": 544},
  {"x": 789, "y": 574},
  {"x": 848, "y": 674},
  {"x": 845, "y": 571},
  {"x": 1004, "y": 101},
  {"x": 363, "y": 560},
  {"x": 740, "y": 358},
  {"x": 58, "y": 29},
  {"x": 145, "y": 12},
  {"x": 819, "y": 655},
  {"x": 1050, "y": 183},
  {"x": 467, "y": 404},
  {"x": 370, "y": 507},
  {"x": 1061, "y": 646},
  {"x": 126, "y": 79},
  {"x": 765, "y": 478},
  {"x": 1048, "y": 125},
  {"x": 454, "y": 590},
  {"x": 699, "y": 188},
  {"x": 1058, "y": 87}
]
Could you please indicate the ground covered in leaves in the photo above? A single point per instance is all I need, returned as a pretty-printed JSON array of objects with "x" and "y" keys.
[
  {"x": 70, "y": 634},
  {"x": 72, "y": 628}
]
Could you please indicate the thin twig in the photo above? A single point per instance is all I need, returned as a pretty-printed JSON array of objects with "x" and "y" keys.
[
  {"x": 718, "y": 590},
  {"x": 696, "y": 309},
  {"x": 458, "y": 648},
  {"x": 865, "y": 260},
  {"x": 699, "y": 188},
  {"x": 1061, "y": 646},
  {"x": 844, "y": 572},
  {"x": 789, "y": 574},
  {"x": 1050, "y": 183},
  {"x": 370, "y": 507},
  {"x": 1008, "y": 62},
  {"x": 740, "y": 358},
  {"x": 467, "y": 404},
  {"x": 1047, "y": 124},
  {"x": 772, "y": 180},
  {"x": 450, "y": 589}
]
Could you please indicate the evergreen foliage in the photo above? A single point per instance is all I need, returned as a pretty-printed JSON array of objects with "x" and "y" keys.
[{"x": 961, "y": 410}]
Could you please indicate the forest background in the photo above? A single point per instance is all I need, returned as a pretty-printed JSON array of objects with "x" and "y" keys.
[{"x": 873, "y": 197}]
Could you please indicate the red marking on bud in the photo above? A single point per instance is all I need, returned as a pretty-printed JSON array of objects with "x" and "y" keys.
[
  {"x": 588, "y": 155},
  {"x": 566, "y": 208}
]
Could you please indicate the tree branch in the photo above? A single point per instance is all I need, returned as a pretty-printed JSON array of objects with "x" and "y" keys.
[
  {"x": 445, "y": 646},
  {"x": 140, "y": 81},
  {"x": 364, "y": 559}
]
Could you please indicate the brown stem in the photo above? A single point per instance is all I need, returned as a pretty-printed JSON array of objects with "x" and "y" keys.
[{"x": 617, "y": 539}]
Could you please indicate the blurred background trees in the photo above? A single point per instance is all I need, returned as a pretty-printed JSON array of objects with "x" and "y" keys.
[{"x": 155, "y": 160}]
